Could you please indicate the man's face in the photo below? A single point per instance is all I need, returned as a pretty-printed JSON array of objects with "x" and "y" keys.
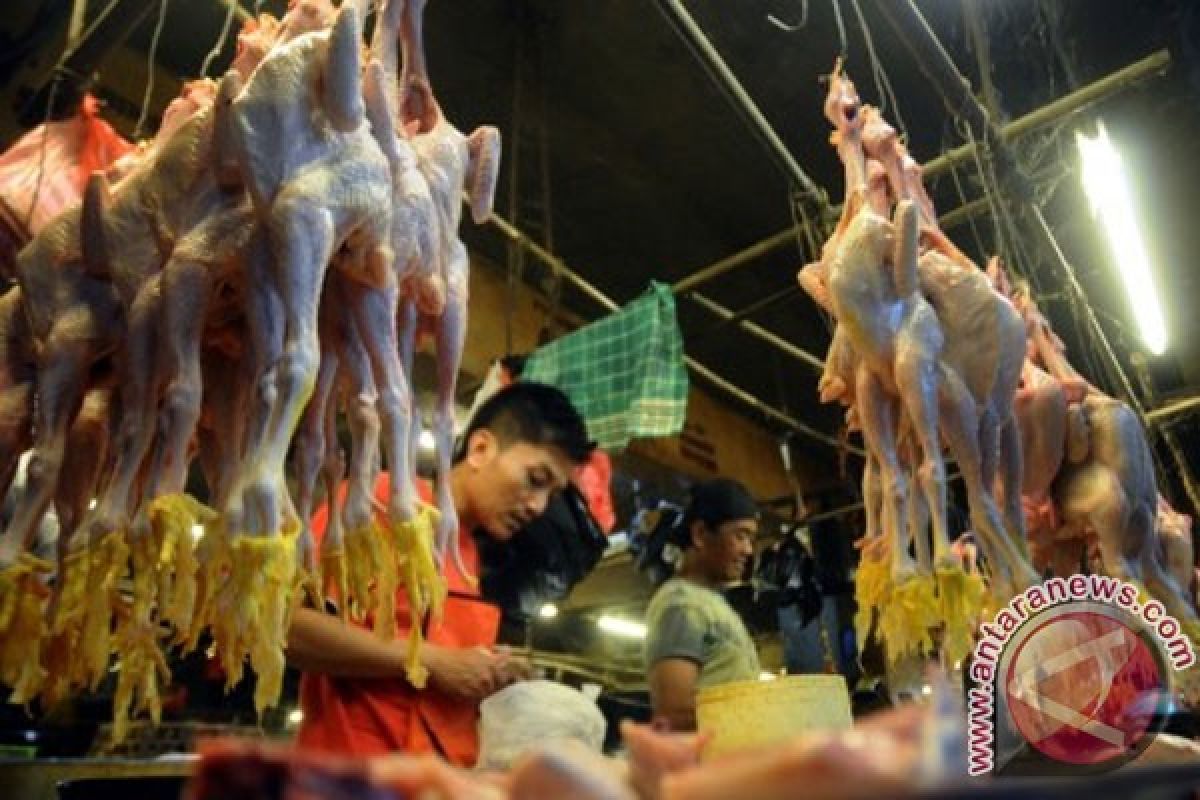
[
  {"x": 509, "y": 486},
  {"x": 727, "y": 550}
]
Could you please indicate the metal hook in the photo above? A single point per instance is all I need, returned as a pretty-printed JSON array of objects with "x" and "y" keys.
[{"x": 787, "y": 27}]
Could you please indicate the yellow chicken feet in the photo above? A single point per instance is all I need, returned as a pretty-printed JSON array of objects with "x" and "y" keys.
[
  {"x": 213, "y": 567},
  {"x": 106, "y": 564},
  {"x": 252, "y": 612},
  {"x": 22, "y": 625},
  {"x": 961, "y": 596},
  {"x": 65, "y": 627},
  {"x": 172, "y": 518},
  {"x": 364, "y": 564},
  {"x": 142, "y": 662},
  {"x": 909, "y": 617},
  {"x": 872, "y": 586},
  {"x": 335, "y": 583},
  {"x": 412, "y": 543}
]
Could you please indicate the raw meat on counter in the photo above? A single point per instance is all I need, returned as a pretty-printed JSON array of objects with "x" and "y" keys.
[{"x": 880, "y": 757}]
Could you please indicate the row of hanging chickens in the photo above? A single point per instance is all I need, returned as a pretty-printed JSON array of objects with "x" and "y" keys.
[
  {"x": 932, "y": 352},
  {"x": 263, "y": 265}
]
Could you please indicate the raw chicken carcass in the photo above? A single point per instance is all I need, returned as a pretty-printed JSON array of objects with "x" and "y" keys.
[
  {"x": 895, "y": 336},
  {"x": 232, "y": 770},
  {"x": 1113, "y": 493},
  {"x": 319, "y": 183},
  {"x": 947, "y": 353},
  {"x": 878, "y": 757},
  {"x": 1174, "y": 532},
  {"x": 451, "y": 163}
]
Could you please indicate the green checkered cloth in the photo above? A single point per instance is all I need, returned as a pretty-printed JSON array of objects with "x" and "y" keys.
[{"x": 625, "y": 373}]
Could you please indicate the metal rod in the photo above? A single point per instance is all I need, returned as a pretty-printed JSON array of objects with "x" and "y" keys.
[
  {"x": 1148, "y": 67},
  {"x": 958, "y": 216},
  {"x": 1166, "y": 415},
  {"x": 765, "y": 409},
  {"x": 745, "y": 103},
  {"x": 552, "y": 261},
  {"x": 1151, "y": 66},
  {"x": 773, "y": 339},
  {"x": 704, "y": 372},
  {"x": 730, "y": 263}
]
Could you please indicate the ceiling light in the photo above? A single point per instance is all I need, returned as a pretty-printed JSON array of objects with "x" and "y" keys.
[
  {"x": 548, "y": 611},
  {"x": 622, "y": 627},
  {"x": 1108, "y": 193},
  {"x": 295, "y": 716}
]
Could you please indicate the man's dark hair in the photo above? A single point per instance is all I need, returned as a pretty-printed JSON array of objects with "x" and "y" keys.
[{"x": 533, "y": 413}]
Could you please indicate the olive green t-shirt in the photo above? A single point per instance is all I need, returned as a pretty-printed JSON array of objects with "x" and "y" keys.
[{"x": 689, "y": 621}]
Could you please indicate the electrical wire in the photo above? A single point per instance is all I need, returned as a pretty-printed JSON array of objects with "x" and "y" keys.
[
  {"x": 150, "y": 70},
  {"x": 216, "y": 48}
]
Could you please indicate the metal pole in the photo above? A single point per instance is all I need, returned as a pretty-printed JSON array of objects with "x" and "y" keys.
[
  {"x": 754, "y": 329},
  {"x": 730, "y": 263},
  {"x": 704, "y": 372},
  {"x": 1151, "y": 66},
  {"x": 1164, "y": 416},
  {"x": 1148, "y": 67},
  {"x": 725, "y": 77}
]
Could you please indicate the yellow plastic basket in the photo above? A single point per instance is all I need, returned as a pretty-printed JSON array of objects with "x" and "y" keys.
[{"x": 750, "y": 714}]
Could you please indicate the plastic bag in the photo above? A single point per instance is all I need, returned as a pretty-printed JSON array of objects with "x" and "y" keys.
[
  {"x": 45, "y": 172},
  {"x": 529, "y": 714}
]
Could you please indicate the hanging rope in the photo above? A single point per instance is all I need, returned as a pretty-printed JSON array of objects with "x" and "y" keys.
[
  {"x": 216, "y": 48},
  {"x": 150, "y": 71}
]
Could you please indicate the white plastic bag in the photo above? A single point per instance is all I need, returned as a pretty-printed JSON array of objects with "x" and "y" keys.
[{"x": 529, "y": 714}]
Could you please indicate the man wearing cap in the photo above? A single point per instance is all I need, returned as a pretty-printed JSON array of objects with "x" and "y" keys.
[{"x": 694, "y": 638}]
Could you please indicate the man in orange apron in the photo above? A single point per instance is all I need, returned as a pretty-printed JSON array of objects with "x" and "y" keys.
[{"x": 521, "y": 445}]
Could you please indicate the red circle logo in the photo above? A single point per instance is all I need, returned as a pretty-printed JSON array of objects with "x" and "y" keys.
[{"x": 1085, "y": 688}]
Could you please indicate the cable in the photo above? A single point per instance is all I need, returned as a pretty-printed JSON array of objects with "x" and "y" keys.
[
  {"x": 150, "y": 71},
  {"x": 216, "y": 49}
]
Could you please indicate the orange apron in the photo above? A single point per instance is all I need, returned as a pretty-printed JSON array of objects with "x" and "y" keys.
[{"x": 375, "y": 716}]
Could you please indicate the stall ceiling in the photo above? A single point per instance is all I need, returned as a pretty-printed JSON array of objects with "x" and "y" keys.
[{"x": 654, "y": 172}]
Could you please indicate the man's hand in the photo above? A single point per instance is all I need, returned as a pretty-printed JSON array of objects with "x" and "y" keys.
[
  {"x": 468, "y": 673},
  {"x": 516, "y": 668}
]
